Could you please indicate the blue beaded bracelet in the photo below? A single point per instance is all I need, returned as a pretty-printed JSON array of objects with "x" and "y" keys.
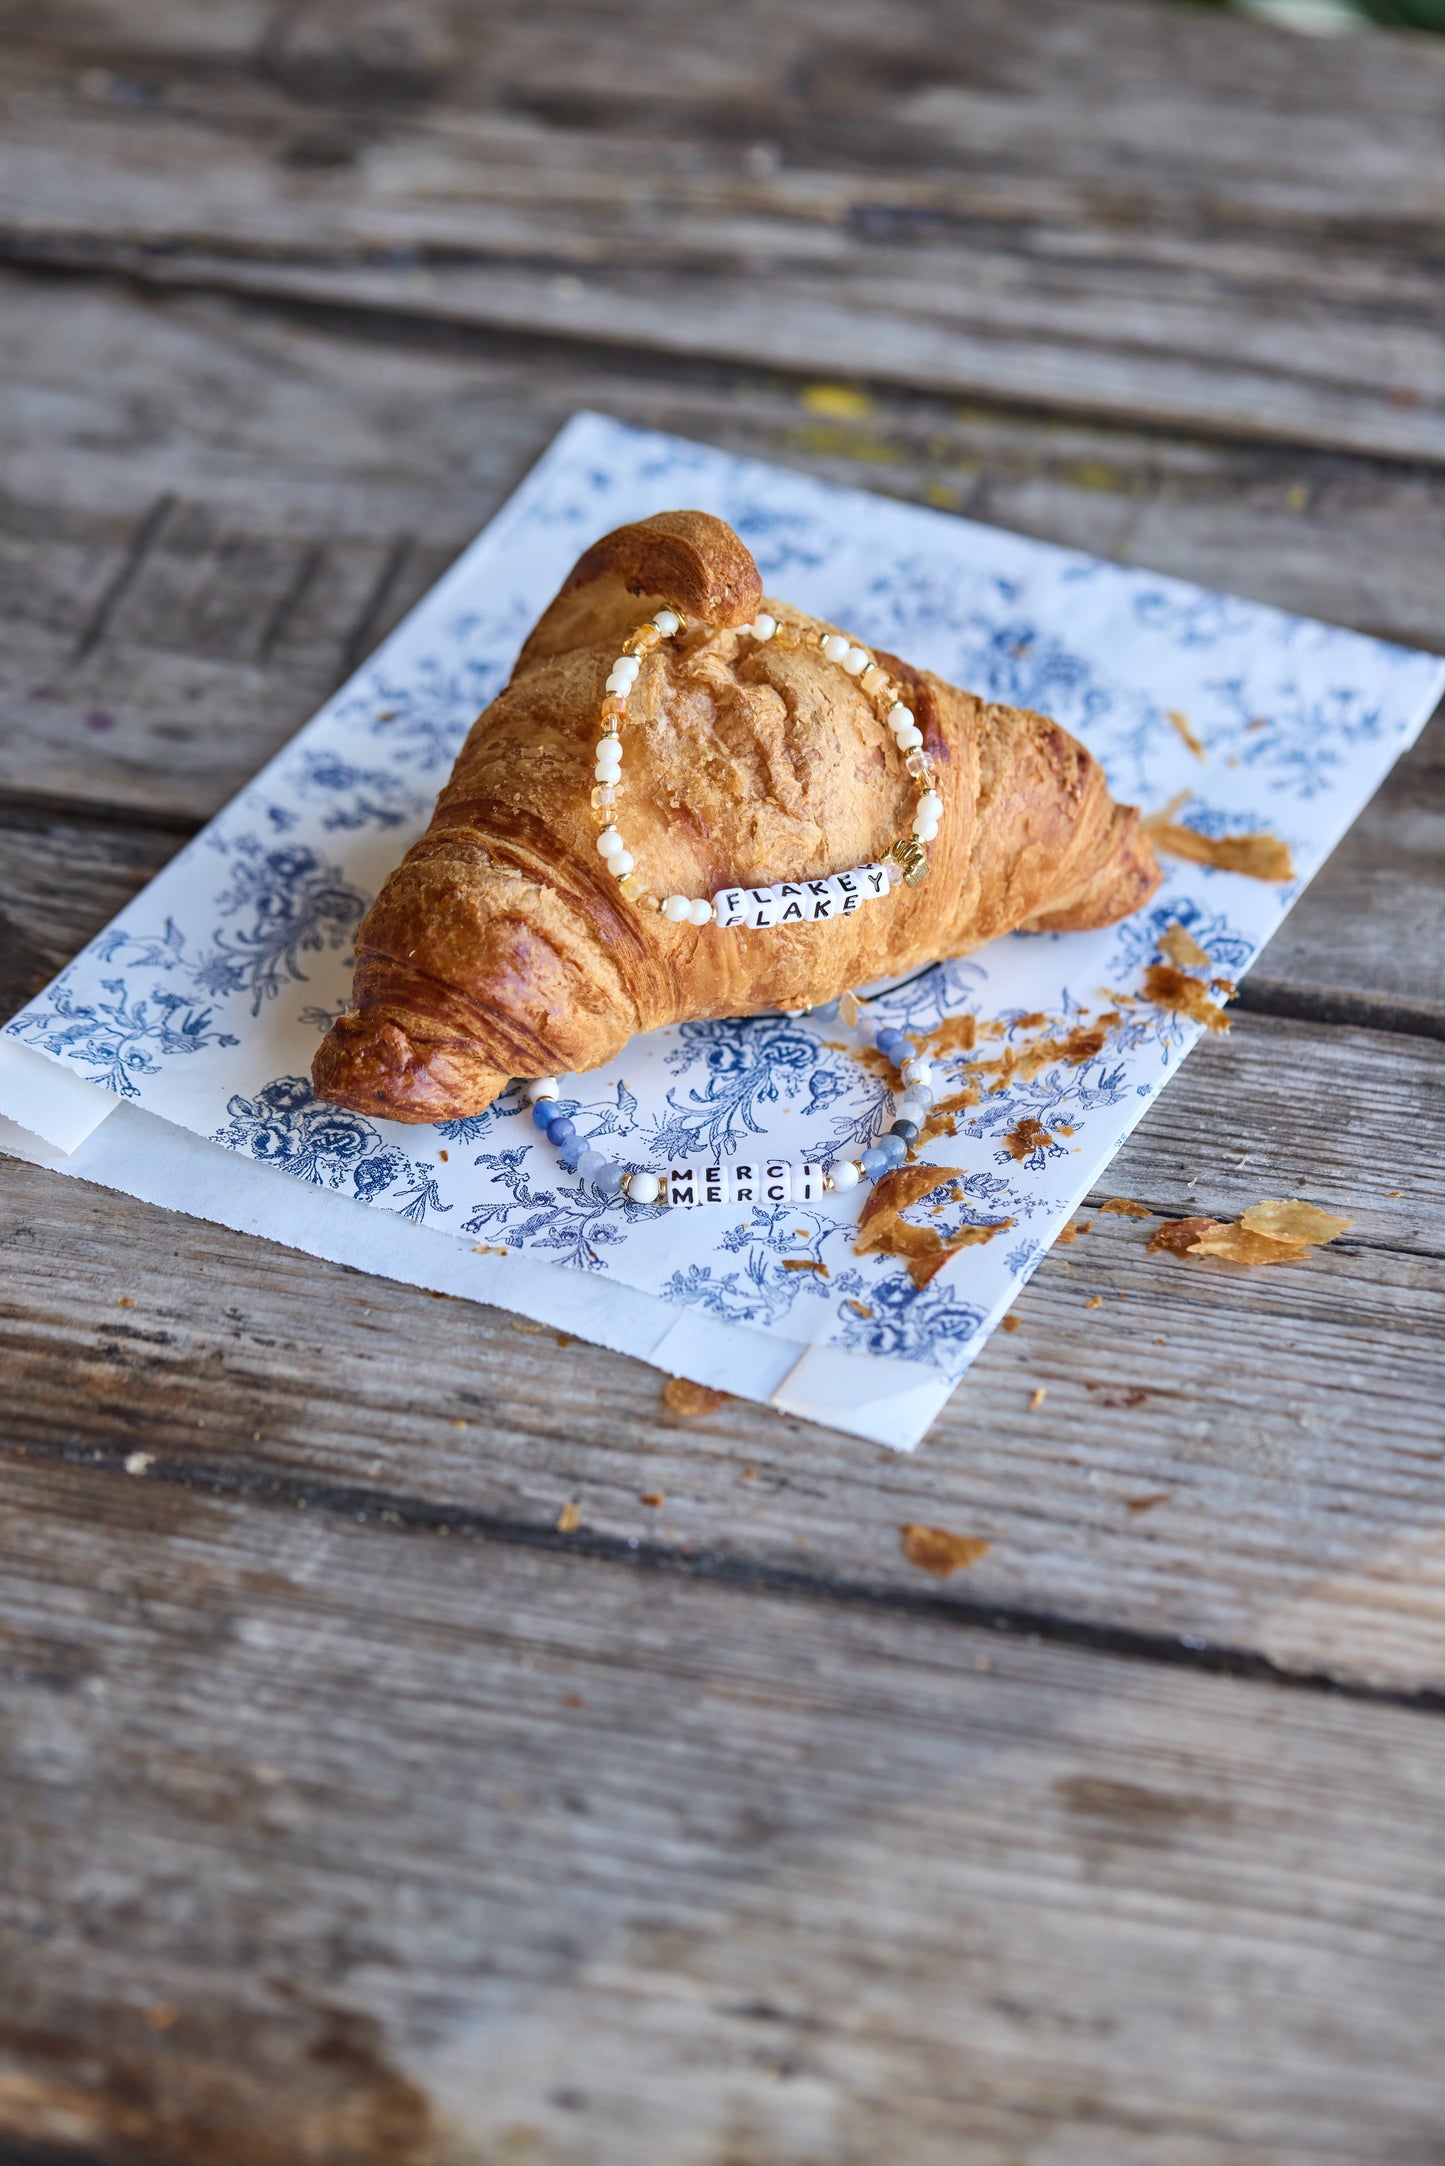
[{"x": 771, "y": 1181}]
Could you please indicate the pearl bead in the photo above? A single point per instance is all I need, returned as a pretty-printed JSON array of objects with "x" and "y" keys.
[
  {"x": 548, "y": 1087},
  {"x": 609, "y": 842},
  {"x": 835, "y": 646},
  {"x": 667, "y": 621},
  {"x": 676, "y": 908},
  {"x": 608, "y": 771},
  {"x": 856, "y": 660},
  {"x": 924, "y": 829},
  {"x": 846, "y": 1173},
  {"x": 930, "y": 802},
  {"x": 909, "y": 738},
  {"x": 626, "y": 665},
  {"x": 899, "y": 715},
  {"x": 620, "y": 863},
  {"x": 916, "y": 1071},
  {"x": 763, "y": 626},
  {"x": 645, "y": 1187},
  {"x": 700, "y": 913},
  {"x": 608, "y": 748}
]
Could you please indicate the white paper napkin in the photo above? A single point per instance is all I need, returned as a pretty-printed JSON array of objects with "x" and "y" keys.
[{"x": 193, "y": 1018}]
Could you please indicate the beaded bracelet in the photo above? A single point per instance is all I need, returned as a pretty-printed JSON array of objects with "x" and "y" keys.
[
  {"x": 777, "y": 1180},
  {"x": 790, "y": 902}
]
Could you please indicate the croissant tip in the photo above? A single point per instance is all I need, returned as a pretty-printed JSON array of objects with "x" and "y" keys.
[{"x": 372, "y": 1065}]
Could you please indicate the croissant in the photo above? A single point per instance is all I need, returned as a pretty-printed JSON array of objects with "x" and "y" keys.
[{"x": 504, "y": 945}]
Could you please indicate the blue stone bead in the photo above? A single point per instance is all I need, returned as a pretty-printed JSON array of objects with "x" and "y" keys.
[
  {"x": 570, "y": 1152},
  {"x": 890, "y": 1039},
  {"x": 590, "y": 1163},
  {"x": 608, "y": 1181},
  {"x": 894, "y": 1148},
  {"x": 908, "y": 1130},
  {"x": 874, "y": 1162},
  {"x": 560, "y": 1130},
  {"x": 543, "y": 1111}
]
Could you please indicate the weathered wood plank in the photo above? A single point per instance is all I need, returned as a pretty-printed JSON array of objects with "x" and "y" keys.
[
  {"x": 60, "y": 882},
  {"x": 1252, "y": 1459},
  {"x": 1155, "y": 216},
  {"x": 170, "y": 619},
  {"x": 323, "y": 1841}
]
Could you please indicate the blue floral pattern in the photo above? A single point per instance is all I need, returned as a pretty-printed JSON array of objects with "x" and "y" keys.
[{"x": 203, "y": 1001}]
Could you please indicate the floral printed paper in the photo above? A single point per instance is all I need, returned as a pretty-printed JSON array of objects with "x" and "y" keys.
[{"x": 204, "y": 1001}]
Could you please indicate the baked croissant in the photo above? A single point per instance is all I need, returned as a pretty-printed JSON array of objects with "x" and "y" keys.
[{"x": 504, "y": 945}]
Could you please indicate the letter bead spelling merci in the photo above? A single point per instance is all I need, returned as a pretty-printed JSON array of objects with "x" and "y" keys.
[{"x": 787, "y": 902}]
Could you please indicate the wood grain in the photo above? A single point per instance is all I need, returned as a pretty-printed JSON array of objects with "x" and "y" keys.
[
  {"x": 327, "y": 1841},
  {"x": 985, "y": 200},
  {"x": 1281, "y": 1426}
]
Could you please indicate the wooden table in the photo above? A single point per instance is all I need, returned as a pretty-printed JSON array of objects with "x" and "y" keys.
[{"x": 350, "y": 1811}]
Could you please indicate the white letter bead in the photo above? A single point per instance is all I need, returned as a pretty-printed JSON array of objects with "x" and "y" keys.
[
  {"x": 742, "y": 1182},
  {"x": 776, "y": 1185},
  {"x": 823, "y": 900},
  {"x": 699, "y": 912},
  {"x": 667, "y": 622},
  {"x": 714, "y": 1188},
  {"x": 807, "y": 1183},
  {"x": 845, "y": 1174},
  {"x": 909, "y": 738},
  {"x": 676, "y": 908},
  {"x": 730, "y": 906},
  {"x": 793, "y": 908},
  {"x": 835, "y": 646},
  {"x": 644, "y": 1188},
  {"x": 856, "y": 660},
  {"x": 874, "y": 880},
  {"x": 683, "y": 1185},
  {"x": 608, "y": 842},
  {"x": 930, "y": 802},
  {"x": 899, "y": 716},
  {"x": 763, "y": 626},
  {"x": 762, "y": 907}
]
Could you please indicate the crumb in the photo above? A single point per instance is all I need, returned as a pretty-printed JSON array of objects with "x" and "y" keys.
[
  {"x": 564, "y": 1338},
  {"x": 1259, "y": 857},
  {"x": 1183, "y": 949},
  {"x": 1181, "y": 723},
  {"x": 458, "y": 1422},
  {"x": 805, "y": 1263},
  {"x": 444, "y": 1156},
  {"x": 653, "y": 1498},
  {"x": 125, "y": 1301},
  {"x": 161, "y": 2016},
  {"x": 1146, "y": 1504},
  {"x": 749, "y": 1474},
  {"x": 1028, "y": 1136},
  {"x": 849, "y": 1010},
  {"x": 485, "y": 1248},
  {"x": 1063, "y": 1128},
  {"x": 934, "y": 1549},
  {"x": 859, "y": 1308},
  {"x": 1123, "y": 1208},
  {"x": 1010, "y": 1323},
  {"x": 1394, "y": 1191},
  {"x": 138, "y": 1462},
  {"x": 1066, "y": 1236},
  {"x": 959, "y": 1034},
  {"x": 1037, "y": 1397},
  {"x": 573, "y": 1699},
  {"x": 1174, "y": 990},
  {"x": 569, "y": 1519},
  {"x": 1095, "y": 1301},
  {"x": 882, "y": 1229},
  {"x": 1177, "y": 1235},
  {"x": 681, "y": 1396}
]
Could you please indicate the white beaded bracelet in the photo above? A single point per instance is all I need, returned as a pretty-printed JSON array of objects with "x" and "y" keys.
[
  {"x": 691, "y": 1182},
  {"x": 806, "y": 902}
]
